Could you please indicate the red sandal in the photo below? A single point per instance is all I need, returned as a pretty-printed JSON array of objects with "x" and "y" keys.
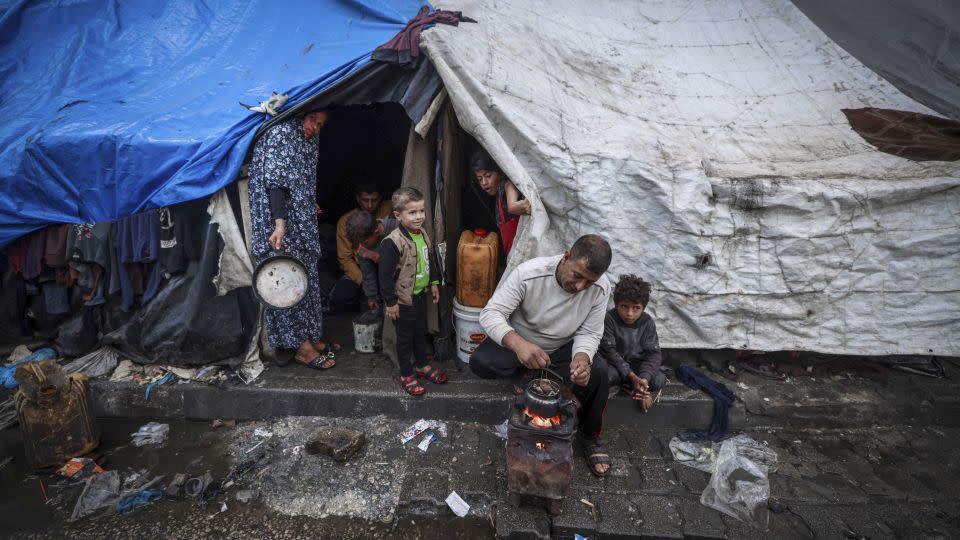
[
  {"x": 412, "y": 386},
  {"x": 433, "y": 375}
]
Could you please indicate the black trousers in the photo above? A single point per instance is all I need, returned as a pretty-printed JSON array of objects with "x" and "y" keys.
[
  {"x": 491, "y": 361},
  {"x": 411, "y": 328}
]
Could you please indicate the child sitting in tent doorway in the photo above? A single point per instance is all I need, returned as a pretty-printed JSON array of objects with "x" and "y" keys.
[{"x": 510, "y": 203}]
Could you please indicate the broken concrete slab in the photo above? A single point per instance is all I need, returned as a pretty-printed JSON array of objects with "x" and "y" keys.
[{"x": 337, "y": 442}]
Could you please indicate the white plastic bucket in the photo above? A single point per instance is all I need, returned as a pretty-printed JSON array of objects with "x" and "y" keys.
[
  {"x": 469, "y": 332},
  {"x": 367, "y": 333}
]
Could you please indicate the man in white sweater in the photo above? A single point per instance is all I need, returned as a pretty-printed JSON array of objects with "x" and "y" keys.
[{"x": 549, "y": 312}]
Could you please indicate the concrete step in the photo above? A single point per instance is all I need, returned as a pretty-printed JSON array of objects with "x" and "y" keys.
[{"x": 364, "y": 385}]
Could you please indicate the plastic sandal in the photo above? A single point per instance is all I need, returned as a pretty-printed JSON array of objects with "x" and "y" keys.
[
  {"x": 434, "y": 375},
  {"x": 412, "y": 386}
]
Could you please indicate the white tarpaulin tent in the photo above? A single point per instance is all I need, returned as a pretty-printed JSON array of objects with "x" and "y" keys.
[{"x": 705, "y": 140}]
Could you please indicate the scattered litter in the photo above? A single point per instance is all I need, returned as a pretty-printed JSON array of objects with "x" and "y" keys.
[
  {"x": 152, "y": 433},
  {"x": 244, "y": 495},
  {"x": 169, "y": 377},
  {"x": 501, "y": 429},
  {"x": 173, "y": 488},
  {"x": 588, "y": 503},
  {"x": 98, "y": 363},
  {"x": 700, "y": 455},
  {"x": 194, "y": 487},
  {"x": 457, "y": 504},
  {"x": 740, "y": 485},
  {"x": 125, "y": 371},
  {"x": 7, "y": 372},
  {"x": 578, "y": 537},
  {"x": 18, "y": 353},
  {"x": 742, "y": 386},
  {"x": 218, "y": 423},
  {"x": 79, "y": 469},
  {"x": 766, "y": 399},
  {"x": 131, "y": 501},
  {"x": 100, "y": 491},
  {"x": 252, "y": 448},
  {"x": 223, "y": 508},
  {"x": 420, "y": 426},
  {"x": 262, "y": 432},
  {"x": 8, "y": 413},
  {"x": 425, "y": 443},
  {"x": 809, "y": 369}
]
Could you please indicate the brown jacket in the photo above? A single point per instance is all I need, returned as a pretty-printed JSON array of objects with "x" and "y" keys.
[
  {"x": 345, "y": 251},
  {"x": 398, "y": 266}
]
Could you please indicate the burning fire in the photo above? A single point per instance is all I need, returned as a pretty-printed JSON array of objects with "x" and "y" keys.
[{"x": 542, "y": 421}]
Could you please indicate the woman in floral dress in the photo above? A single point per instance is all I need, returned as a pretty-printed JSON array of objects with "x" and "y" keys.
[{"x": 283, "y": 189}]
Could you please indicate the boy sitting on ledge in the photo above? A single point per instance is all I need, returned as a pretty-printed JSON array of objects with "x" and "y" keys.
[{"x": 630, "y": 344}]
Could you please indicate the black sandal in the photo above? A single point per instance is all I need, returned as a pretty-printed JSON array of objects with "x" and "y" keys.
[
  {"x": 596, "y": 454},
  {"x": 321, "y": 362}
]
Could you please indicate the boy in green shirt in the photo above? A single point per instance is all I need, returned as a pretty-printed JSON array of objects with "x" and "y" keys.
[{"x": 407, "y": 270}]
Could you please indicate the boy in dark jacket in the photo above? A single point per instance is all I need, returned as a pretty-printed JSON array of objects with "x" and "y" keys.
[
  {"x": 408, "y": 273},
  {"x": 630, "y": 344}
]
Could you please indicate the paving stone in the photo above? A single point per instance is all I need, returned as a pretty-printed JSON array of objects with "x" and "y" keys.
[
  {"x": 624, "y": 477},
  {"x": 845, "y": 491},
  {"x": 424, "y": 492},
  {"x": 661, "y": 516},
  {"x": 473, "y": 474},
  {"x": 822, "y": 520},
  {"x": 804, "y": 491},
  {"x": 692, "y": 479},
  {"x": 522, "y": 523},
  {"x": 576, "y": 517},
  {"x": 620, "y": 517},
  {"x": 784, "y": 526},
  {"x": 909, "y": 521},
  {"x": 645, "y": 445},
  {"x": 869, "y": 482},
  {"x": 914, "y": 489},
  {"x": 659, "y": 477},
  {"x": 700, "y": 522}
]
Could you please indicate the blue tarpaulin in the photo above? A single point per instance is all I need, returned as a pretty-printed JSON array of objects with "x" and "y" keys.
[{"x": 112, "y": 108}]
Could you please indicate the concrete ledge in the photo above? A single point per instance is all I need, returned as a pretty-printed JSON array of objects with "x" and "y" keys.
[{"x": 364, "y": 385}]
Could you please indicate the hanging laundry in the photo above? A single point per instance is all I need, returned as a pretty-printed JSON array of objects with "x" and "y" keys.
[
  {"x": 55, "y": 297},
  {"x": 90, "y": 242},
  {"x": 404, "y": 48},
  {"x": 138, "y": 243},
  {"x": 172, "y": 227},
  {"x": 55, "y": 250}
]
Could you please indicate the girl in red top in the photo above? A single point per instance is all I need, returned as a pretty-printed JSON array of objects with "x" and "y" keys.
[{"x": 510, "y": 204}]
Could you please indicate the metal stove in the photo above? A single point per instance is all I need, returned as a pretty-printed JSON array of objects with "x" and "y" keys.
[{"x": 540, "y": 455}]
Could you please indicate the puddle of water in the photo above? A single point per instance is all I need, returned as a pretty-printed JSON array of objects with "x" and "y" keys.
[{"x": 192, "y": 448}]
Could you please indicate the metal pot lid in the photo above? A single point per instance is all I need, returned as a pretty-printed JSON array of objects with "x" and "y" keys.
[{"x": 281, "y": 282}]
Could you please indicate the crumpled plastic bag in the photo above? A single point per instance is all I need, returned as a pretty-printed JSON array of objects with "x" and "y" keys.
[
  {"x": 700, "y": 455},
  {"x": 101, "y": 490},
  {"x": 152, "y": 433},
  {"x": 740, "y": 485},
  {"x": 99, "y": 362}
]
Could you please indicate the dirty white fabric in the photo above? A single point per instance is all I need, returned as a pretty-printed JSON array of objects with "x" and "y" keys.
[
  {"x": 706, "y": 141},
  {"x": 236, "y": 265}
]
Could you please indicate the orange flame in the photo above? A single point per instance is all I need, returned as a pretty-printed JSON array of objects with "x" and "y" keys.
[{"x": 542, "y": 421}]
